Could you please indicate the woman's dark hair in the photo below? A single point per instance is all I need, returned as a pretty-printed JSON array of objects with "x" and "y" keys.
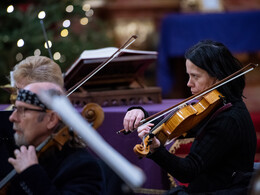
[{"x": 217, "y": 60}]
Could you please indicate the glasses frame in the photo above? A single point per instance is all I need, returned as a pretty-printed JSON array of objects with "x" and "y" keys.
[{"x": 20, "y": 110}]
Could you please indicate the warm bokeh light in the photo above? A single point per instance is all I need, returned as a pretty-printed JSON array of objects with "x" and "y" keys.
[
  {"x": 49, "y": 43},
  {"x": 41, "y": 14},
  {"x": 20, "y": 43},
  {"x": 66, "y": 23},
  {"x": 37, "y": 52},
  {"x": 64, "y": 33},
  {"x": 84, "y": 21},
  {"x": 62, "y": 59},
  {"x": 86, "y": 7},
  {"x": 69, "y": 8},
  {"x": 89, "y": 13},
  {"x": 56, "y": 56},
  {"x": 19, "y": 57},
  {"x": 10, "y": 9}
]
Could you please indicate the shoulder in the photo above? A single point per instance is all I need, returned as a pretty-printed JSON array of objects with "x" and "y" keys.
[
  {"x": 82, "y": 165},
  {"x": 235, "y": 112},
  {"x": 235, "y": 118},
  {"x": 80, "y": 157}
]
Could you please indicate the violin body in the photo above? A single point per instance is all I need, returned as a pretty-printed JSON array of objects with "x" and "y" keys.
[
  {"x": 94, "y": 114},
  {"x": 182, "y": 121},
  {"x": 190, "y": 116}
]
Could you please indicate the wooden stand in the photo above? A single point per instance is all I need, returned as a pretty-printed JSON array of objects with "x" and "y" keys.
[{"x": 119, "y": 83}]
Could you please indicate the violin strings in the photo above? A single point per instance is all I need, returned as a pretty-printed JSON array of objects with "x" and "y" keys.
[{"x": 161, "y": 122}]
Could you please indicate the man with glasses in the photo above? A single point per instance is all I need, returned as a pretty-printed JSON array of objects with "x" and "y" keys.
[
  {"x": 70, "y": 169},
  {"x": 30, "y": 70}
]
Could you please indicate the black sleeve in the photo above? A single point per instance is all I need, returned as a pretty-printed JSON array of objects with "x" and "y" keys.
[
  {"x": 81, "y": 175},
  {"x": 206, "y": 152},
  {"x": 182, "y": 169}
]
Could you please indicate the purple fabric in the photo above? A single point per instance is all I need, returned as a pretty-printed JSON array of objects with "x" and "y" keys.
[
  {"x": 124, "y": 144},
  {"x": 4, "y": 106},
  {"x": 237, "y": 30}
]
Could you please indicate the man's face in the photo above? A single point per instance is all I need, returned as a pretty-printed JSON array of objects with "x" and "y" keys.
[
  {"x": 29, "y": 125},
  {"x": 199, "y": 79}
]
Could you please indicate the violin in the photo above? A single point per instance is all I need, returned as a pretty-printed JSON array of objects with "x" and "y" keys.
[
  {"x": 181, "y": 121},
  {"x": 187, "y": 117}
]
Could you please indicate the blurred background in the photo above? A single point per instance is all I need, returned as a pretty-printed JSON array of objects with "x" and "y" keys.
[
  {"x": 75, "y": 26},
  {"x": 166, "y": 26}
]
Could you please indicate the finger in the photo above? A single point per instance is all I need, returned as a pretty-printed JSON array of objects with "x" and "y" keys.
[
  {"x": 150, "y": 124},
  {"x": 125, "y": 125},
  {"x": 138, "y": 118},
  {"x": 132, "y": 122},
  {"x": 23, "y": 149},
  {"x": 143, "y": 128},
  {"x": 127, "y": 120},
  {"x": 11, "y": 160},
  {"x": 31, "y": 149},
  {"x": 16, "y": 152},
  {"x": 142, "y": 133}
]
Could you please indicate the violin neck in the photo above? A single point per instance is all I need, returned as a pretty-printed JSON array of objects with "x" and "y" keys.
[{"x": 7, "y": 178}]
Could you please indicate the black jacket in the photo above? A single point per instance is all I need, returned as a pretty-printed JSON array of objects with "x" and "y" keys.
[
  {"x": 221, "y": 155},
  {"x": 69, "y": 171}
]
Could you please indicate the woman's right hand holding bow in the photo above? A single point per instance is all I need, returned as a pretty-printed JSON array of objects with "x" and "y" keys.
[{"x": 132, "y": 119}]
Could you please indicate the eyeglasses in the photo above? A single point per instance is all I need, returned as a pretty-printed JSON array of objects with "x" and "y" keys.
[{"x": 21, "y": 110}]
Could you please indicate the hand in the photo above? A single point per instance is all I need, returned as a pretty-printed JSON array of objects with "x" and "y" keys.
[
  {"x": 144, "y": 130},
  {"x": 132, "y": 119},
  {"x": 24, "y": 158}
]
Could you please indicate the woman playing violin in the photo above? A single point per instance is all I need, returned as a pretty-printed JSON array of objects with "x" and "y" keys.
[{"x": 221, "y": 157}]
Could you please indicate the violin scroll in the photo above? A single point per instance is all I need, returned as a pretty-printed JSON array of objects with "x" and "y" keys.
[
  {"x": 140, "y": 150},
  {"x": 143, "y": 149},
  {"x": 94, "y": 114}
]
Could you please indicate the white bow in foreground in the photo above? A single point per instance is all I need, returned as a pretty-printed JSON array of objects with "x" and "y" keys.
[{"x": 129, "y": 173}]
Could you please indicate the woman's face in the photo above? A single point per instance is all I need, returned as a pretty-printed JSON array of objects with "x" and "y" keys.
[{"x": 199, "y": 79}]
